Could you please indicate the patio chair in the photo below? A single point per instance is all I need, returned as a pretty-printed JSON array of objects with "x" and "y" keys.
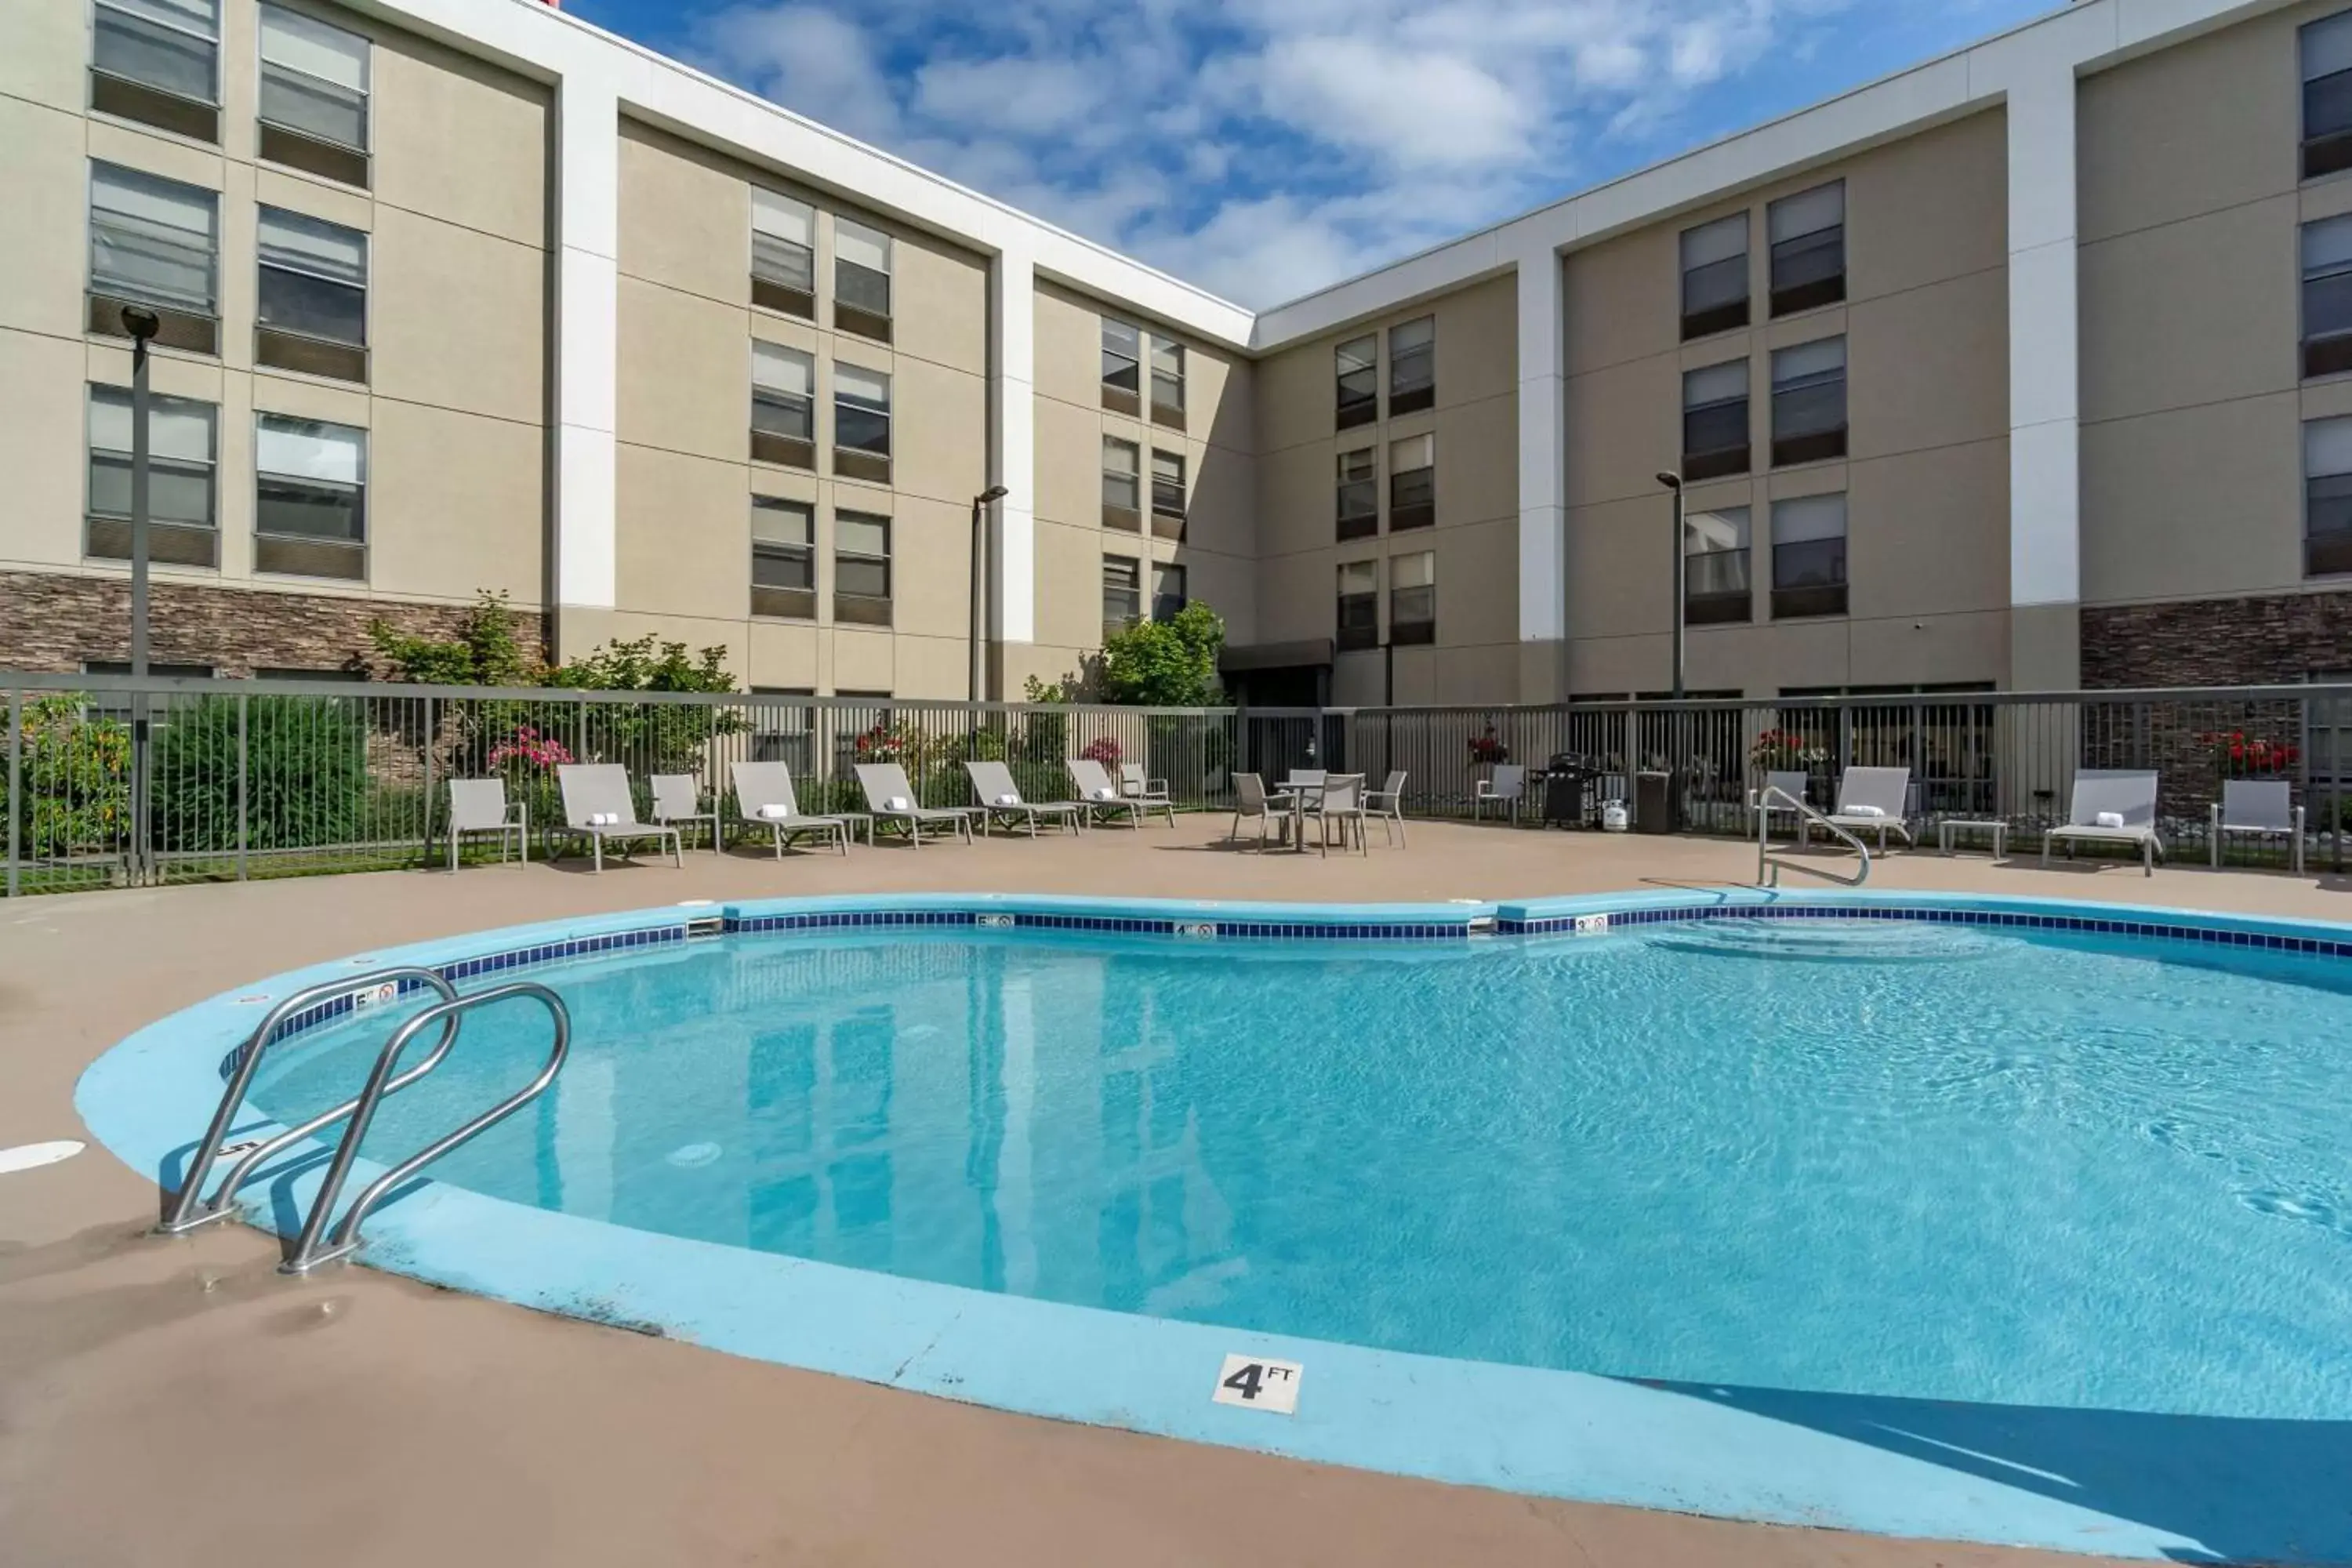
[
  {"x": 892, "y": 799},
  {"x": 677, "y": 800},
  {"x": 1152, "y": 792},
  {"x": 2261, "y": 808},
  {"x": 1791, "y": 783},
  {"x": 998, "y": 796},
  {"x": 597, "y": 806},
  {"x": 2112, "y": 805},
  {"x": 480, "y": 805},
  {"x": 1506, "y": 788},
  {"x": 765, "y": 800},
  {"x": 1872, "y": 800},
  {"x": 1099, "y": 794},
  {"x": 1251, "y": 800},
  {"x": 1340, "y": 801},
  {"x": 1387, "y": 802}
]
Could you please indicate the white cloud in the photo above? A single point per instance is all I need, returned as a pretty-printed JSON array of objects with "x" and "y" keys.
[{"x": 1263, "y": 148}]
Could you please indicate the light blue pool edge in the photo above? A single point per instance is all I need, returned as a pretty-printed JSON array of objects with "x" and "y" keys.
[{"x": 1568, "y": 1435}]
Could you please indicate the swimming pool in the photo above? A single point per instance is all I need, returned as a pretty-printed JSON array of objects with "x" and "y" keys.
[{"x": 2017, "y": 1156}]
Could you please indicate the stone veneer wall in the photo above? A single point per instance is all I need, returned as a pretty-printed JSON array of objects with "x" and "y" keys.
[
  {"x": 53, "y": 622},
  {"x": 2271, "y": 640}
]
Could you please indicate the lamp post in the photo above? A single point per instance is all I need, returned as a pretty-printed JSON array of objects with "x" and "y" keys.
[
  {"x": 1674, "y": 483},
  {"x": 978, "y": 573},
  {"x": 142, "y": 324}
]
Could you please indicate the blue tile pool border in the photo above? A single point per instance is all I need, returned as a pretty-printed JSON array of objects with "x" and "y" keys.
[{"x": 1531, "y": 1430}]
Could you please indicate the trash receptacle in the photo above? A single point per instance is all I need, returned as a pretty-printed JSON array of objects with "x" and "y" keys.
[{"x": 1653, "y": 803}]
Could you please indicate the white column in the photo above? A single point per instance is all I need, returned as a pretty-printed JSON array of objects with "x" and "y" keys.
[
  {"x": 1543, "y": 474},
  {"x": 2045, "y": 573},
  {"x": 1012, "y": 448},
  {"x": 585, "y": 323}
]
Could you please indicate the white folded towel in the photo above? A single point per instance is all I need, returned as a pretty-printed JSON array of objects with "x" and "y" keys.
[
  {"x": 2110, "y": 819},
  {"x": 775, "y": 813},
  {"x": 1865, "y": 810},
  {"x": 1106, "y": 792},
  {"x": 1008, "y": 798},
  {"x": 603, "y": 818},
  {"x": 897, "y": 803}
]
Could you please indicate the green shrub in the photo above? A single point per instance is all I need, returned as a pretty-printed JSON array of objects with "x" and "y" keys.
[
  {"x": 76, "y": 780},
  {"x": 306, "y": 775}
]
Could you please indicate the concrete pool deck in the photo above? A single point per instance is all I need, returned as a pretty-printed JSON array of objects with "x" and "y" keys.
[{"x": 179, "y": 1398}]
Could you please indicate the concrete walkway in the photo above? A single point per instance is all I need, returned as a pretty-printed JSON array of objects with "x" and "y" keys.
[{"x": 178, "y": 1401}]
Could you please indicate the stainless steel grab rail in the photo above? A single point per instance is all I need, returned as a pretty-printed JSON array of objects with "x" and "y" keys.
[
  {"x": 1767, "y": 865},
  {"x": 307, "y": 1252},
  {"x": 188, "y": 1211}
]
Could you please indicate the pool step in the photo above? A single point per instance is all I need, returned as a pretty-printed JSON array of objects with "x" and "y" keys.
[{"x": 1827, "y": 941}]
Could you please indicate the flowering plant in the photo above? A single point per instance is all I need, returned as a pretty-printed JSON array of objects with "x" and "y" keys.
[
  {"x": 1488, "y": 748},
  {"x": 883, "y": 743},
  {"x": 1104, "y": 751},
  {"x": 529, "y": 747},
  {"x": 2239, "y": 755},
  {"x": 1785, "y": 749}
]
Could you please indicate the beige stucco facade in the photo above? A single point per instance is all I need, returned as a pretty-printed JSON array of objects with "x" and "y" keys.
[{"x": 455, "y": 398}]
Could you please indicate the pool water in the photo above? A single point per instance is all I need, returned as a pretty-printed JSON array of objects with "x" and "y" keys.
[{"x": 1863, "y": 1157}]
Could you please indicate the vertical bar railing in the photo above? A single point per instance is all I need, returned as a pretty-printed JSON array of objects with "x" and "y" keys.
[
  {"x": 15, "y": 779},
  {"x": 244, "y": 779}
]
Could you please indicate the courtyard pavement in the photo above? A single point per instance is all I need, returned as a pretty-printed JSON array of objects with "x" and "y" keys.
[{"x": 169, "y": 1401}]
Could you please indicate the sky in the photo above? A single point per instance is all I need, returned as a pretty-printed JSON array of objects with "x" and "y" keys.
[{"x": 1263, "y": 149}]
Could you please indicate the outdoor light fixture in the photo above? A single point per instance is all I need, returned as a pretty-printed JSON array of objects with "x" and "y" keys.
[
  {"x": 978, "y": 566},
  {"x": 1674, "y": 483},
  {"x": 143, "y": 324}
]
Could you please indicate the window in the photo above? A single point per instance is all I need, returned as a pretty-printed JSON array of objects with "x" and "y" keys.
[
  {"x": 1123, "y": 367},
  {"x": 1412, "y": 483},
  {"x": 1715, "y": 566},
  {"x": 1714, "y": 421},
  {"x": 1808, "y": 235},
  {"x": 2327, "y": 296},
  {"x": 314, "y": 96},
  {"x": 1809, "y": 557},
  {"x": 1167, "y": 494},
  {"x": 1413, "y": 598},
  {"x": 1715, "y": 275},
  {"x": 2326, "y": 497},
  {"x": 861, "y": 279},
  {"x": 861, "y": 423},
  {"x": 1359, "y": 605},
  {"x": 158, "y": 62},
  {"x": 1122, "y": 593},
  {"x": 1412, "y": 366},
  {"x": 183, "y": 530},
  {"x": 1809, "y": 402},
  {"x": 1168, "y": 597},
  {"x": 1120, "y": 479},
  {"x": 310, "y": 514},
  {"x": 157, "y": 243},
  {"x": 1167, "y": 382},
  {"x": 783, "y": 411},
  {"x": 783, "y": 253},
  {"x": 1359, "y": 495},
  {"x": 861, "y": 568},
  {"x": 2327, "y": 47},
  {"x": 313, "y": 314},
  {"x": 1359, "y": 382},
  {"x": 783, "y": 558}
]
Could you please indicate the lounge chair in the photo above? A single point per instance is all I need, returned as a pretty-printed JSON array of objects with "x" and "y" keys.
[
  {"x": 597, "y": 807},
  {"x": 1251, "y": 800},
  {"x": 765, "y": 800},
  {"x": 2127, "y": 796},
  {"x": 1099, "y": 795},
  {"x": 2263, "y": 809},
  {"x": 480, "y": 805},
  {"x": 892, "y": 799},
  {"x": 1153, "y": 793},
  {"x": 998, "y": 796},
  {"x": 677, "y": 800},
  {"x": 1340, "y": 800},
  {"x": 1872, "y": 800},
  {"x": 1506, "y": 788},
  {"x": 1387, "y": 802},
  {"x": 1791, "y": 783}
]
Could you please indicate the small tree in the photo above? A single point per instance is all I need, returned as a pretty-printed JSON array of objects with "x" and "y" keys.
[
  {"x": 1165, "y": 664},
  {"x": 485, "y": 652}
]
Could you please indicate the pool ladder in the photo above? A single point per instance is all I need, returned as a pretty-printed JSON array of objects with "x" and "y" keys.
[
  {"x": 188, "y": 1208},
  {"x": 1772, "y": 798}
]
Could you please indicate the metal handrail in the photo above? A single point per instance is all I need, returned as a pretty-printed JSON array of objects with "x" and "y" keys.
[
  {"x": 188, "y": 1210},
  {"x": 1767, "y": 865},
  {"x": 307, "y": 1252}
]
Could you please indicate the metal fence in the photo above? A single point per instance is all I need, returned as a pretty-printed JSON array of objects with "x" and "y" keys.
[{"x": 113, "y": 781}]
